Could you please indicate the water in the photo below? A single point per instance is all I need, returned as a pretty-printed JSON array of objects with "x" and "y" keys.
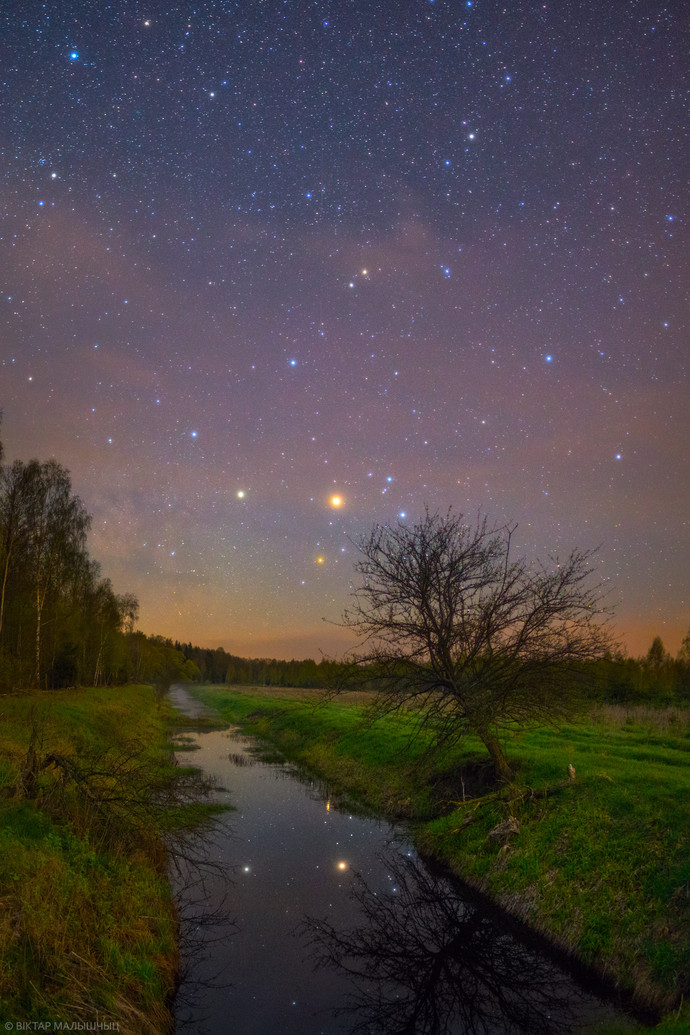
[{"x": 306, "y": 920}]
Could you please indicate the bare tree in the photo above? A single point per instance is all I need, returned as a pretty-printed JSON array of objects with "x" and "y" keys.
[{"x": 475, "y": 640}]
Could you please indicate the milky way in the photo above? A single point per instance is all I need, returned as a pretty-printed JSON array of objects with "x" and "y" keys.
[{"x": 274, "y": 271}]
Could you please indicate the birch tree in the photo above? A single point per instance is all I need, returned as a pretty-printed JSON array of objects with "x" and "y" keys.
[{"x": 56, "y": 538}]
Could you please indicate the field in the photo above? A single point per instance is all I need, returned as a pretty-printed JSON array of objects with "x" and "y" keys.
[
  {"x": 88, "y": 929},
  {"x": 600, "y": 864}
]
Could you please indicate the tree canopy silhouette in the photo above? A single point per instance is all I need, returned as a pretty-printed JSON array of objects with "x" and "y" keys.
[
  {"x": 424, "y": 960},
  {"x": 477, "y": 640}
]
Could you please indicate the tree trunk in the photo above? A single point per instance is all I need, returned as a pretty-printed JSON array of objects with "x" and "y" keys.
[
  {"x": 37, "y": 646},
  {"x": 493, "y": 746},
  {"x": 2, "y": 595}
]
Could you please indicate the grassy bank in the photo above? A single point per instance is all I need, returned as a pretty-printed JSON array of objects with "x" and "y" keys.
[
  {"x": 87, "y": 927},
  {"x": 601, "y": 864}
]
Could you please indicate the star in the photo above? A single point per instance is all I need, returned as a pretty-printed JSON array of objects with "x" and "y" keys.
[{"x": 166, "y": 259}]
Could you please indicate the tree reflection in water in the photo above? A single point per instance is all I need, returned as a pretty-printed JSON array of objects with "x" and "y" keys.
[
  {"x": 202, "y": 887},
  {"x": 425, "y": 962}
]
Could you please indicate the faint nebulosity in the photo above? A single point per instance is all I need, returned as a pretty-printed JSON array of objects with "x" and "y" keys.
[{"x": 273, "y": 271}]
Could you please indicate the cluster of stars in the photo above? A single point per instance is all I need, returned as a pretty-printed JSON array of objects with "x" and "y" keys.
[{"x": 336, "y": 265}]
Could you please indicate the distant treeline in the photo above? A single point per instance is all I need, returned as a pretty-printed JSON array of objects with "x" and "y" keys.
[
  {"x": 217, "y": 666},
  {"x": 62, "y": 623},
  {"x": 655, "y": 678}
]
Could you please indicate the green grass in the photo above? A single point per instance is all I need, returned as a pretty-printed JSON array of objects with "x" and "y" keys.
[
  {"x": 332, "y": 739},
  {"x": 600, "y": 865},
  {"x": 88, "y": 928}
]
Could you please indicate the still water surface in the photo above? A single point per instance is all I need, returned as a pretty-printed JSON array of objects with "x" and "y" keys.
[{"x": 313, "y": 921}]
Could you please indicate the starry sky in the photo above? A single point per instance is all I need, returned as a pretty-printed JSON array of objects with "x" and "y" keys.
[{"x": 275, "y": 270}]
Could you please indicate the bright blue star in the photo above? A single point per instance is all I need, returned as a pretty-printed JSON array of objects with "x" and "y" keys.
[
  {"x": 194, "y": 434},
  {"x": 549, "y": 359},
  {"x": 293, "y": 362},
  {"x": 74, "y": 56}
]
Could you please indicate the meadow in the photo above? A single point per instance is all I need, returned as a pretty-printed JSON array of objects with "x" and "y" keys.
[
  {"x": 599, "y": 864},
  {"x": 88, "y": 795}
]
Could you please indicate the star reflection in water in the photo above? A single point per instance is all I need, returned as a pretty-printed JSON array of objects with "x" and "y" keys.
[{"x": 424, "y": 961}]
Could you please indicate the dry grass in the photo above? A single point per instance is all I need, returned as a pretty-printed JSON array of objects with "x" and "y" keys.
[
  {"x": 671, "y": 719},
  {"x": 314, "y": 694}
]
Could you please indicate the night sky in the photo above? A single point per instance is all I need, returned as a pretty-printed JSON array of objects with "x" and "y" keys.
[{"x": 257, "y": 255}]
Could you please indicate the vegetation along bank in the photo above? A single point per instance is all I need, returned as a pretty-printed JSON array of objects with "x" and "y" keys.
[
  {"x": 598, "y": 859},
  {"x": 91, "y": 805}
]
